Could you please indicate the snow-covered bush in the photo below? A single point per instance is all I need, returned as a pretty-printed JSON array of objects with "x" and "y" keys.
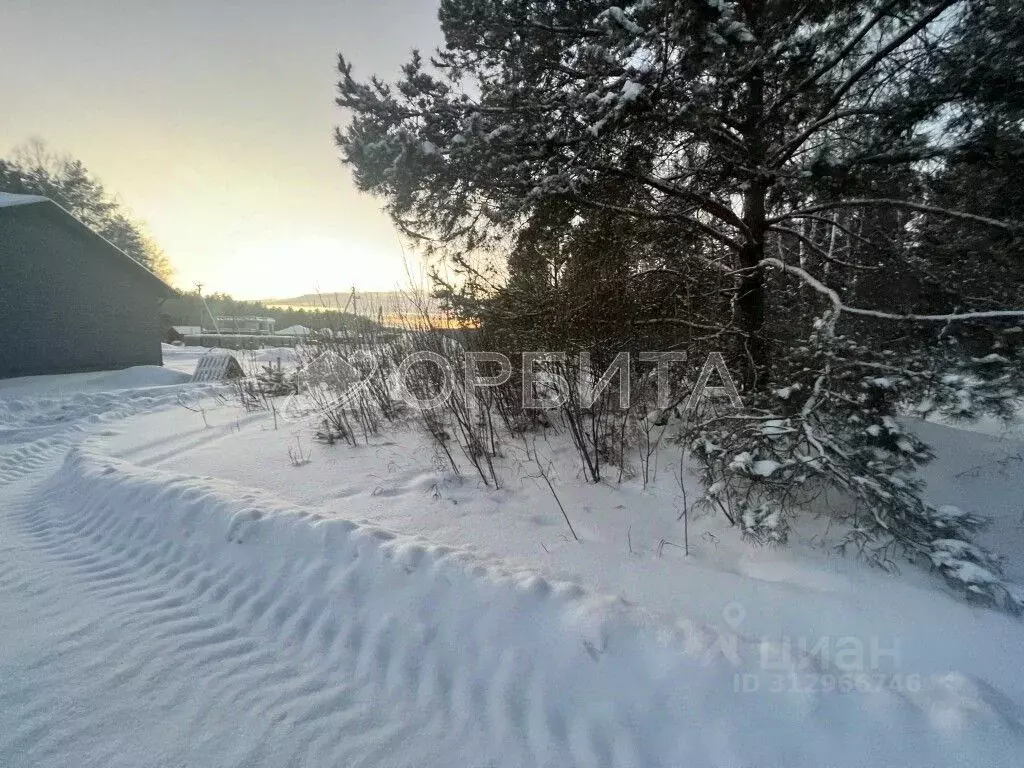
[{"x": 831, "y": 436}]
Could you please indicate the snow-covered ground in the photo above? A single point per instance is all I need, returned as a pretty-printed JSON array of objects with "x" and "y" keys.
[{"x": 179, "y": 594}]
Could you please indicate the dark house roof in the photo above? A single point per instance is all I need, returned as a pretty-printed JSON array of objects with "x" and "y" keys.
[{"x": 11, "y": 204}]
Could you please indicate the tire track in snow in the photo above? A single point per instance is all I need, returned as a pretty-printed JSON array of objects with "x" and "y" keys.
[
  {"x": 164, "y": 596},
  {"x": 178, "y": 647},
  {"x": 250, "y": 643},
  {"x": 29, "y": 459},
  {"x": 213, "y": 630}
]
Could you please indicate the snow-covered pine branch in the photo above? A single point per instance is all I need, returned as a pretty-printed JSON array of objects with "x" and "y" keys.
[{"x": 645, "y": 173}]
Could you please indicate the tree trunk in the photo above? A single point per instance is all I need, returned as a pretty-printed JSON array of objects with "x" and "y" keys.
[
  {"x": 751, "y": 303},
  {"x": 752, "y": 300}
]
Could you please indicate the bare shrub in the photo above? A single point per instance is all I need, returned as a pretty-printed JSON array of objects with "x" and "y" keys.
[{"x": 297, "y": 455}]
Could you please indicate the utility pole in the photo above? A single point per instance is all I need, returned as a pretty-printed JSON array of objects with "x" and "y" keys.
[
  {"x": 199, "y": 293},
  {"x": 203, "y": 305}
]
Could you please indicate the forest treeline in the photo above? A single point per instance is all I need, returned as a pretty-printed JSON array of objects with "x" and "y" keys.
[
  {"x": 34, "y": 169},
  {"x": 188, "y": 309}
]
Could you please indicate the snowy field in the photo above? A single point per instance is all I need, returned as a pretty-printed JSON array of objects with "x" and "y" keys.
[{"x": 177, "y": 594}]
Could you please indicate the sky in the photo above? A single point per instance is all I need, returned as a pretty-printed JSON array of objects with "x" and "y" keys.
[{"x": 213, "y": 121}]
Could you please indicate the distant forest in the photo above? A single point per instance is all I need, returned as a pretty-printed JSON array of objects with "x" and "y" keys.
[{"x": 190, "y": 309}]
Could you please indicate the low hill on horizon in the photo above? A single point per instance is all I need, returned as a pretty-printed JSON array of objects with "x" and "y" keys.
[{"x": 390, "y": 307}]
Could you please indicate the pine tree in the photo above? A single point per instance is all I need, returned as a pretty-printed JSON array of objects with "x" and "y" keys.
[{"x": 804, "y": 156}]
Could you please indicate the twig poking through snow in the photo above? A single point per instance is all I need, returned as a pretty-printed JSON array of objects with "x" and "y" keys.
[{"x": 544, "y": 474}]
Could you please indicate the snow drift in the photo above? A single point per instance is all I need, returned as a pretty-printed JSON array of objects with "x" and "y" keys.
[{"x": 289, "y": 614}]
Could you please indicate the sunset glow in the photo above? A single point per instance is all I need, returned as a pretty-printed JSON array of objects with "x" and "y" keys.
[{"x": 213, "y": 122}]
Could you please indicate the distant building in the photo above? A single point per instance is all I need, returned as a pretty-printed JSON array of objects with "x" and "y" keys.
[
  {"x": 69, "y": 300},
  {"x": 255, "y": 326},
  {"x": 299, "y": 331},
  {"x": 177, "y": 333}
]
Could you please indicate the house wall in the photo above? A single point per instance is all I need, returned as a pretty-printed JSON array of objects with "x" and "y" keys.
[{"x": 67, "y": 303}]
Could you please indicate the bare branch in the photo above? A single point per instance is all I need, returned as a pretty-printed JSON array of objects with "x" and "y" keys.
[
  {"x": 884, "y": 52},
  {"x": 890, "y": 202},
  {"x": 720, "y": 211},
  {"x": 879, "y": 56},
  {"x": 808, "y": 279},
  {"x": 839, "y": 57},
  {"x": 840, "y": 307},
  {"x": 818, "y": 249},
  {"x": 685, "y": 220},
  {"x": 709, "y": 205}
]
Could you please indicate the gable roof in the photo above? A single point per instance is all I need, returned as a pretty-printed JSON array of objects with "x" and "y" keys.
[
  {"x": 7, "y": 199},
  {"x": 12, "y": 204}
]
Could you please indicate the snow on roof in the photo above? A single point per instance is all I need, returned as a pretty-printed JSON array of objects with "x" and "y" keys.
[
  {"x": 8, "y": 199},
  {"x": 294, "y": 330}
]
